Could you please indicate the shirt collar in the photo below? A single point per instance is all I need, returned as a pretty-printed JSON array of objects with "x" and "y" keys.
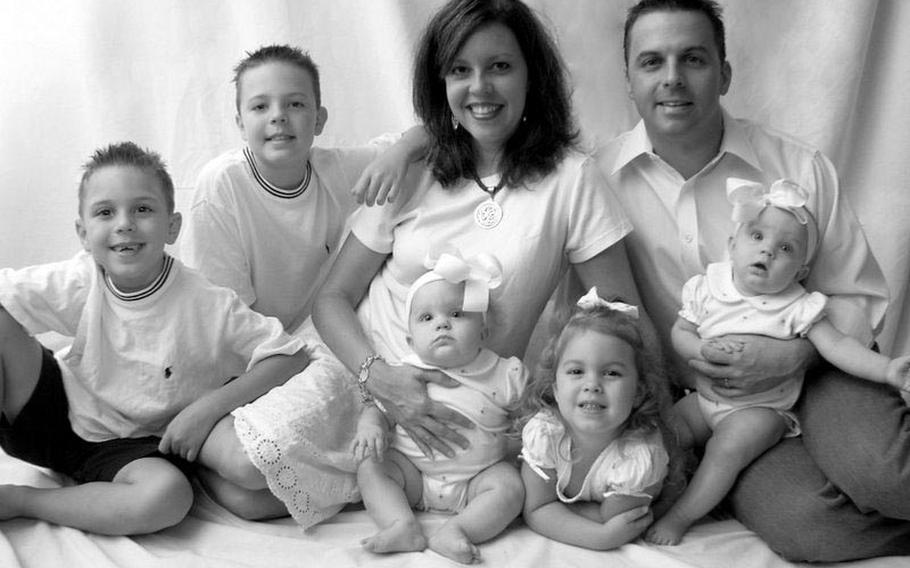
[
  {"x": 719, "y": 277},
  {"x": 735, "y": 142},
  {"x": 146, "y": 292},
  {"x": 481, "y": 364}
]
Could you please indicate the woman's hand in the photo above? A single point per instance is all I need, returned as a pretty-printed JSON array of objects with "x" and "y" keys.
[
  {"x": 402, "y": 392},
  {"x": 761, "y": 364}
]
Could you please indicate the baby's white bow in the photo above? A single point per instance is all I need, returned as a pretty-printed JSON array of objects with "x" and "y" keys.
[
  {"x": 749, "y": 198},
  {"x": 480, "y": 274},
  {"x": 592, "y": 301}
]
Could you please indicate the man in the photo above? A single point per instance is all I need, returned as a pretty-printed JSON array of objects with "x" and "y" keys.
[{"x": 838, "y": 492}]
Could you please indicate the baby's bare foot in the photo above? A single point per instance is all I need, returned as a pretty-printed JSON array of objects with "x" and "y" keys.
[
  {"x": 451, "y": 542},
  {"x": 400, "y": 536},
  {"x": 667, "y": 531}
]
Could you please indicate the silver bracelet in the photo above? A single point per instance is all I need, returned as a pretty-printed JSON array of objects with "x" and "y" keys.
[{"x": 364, "y": 374}]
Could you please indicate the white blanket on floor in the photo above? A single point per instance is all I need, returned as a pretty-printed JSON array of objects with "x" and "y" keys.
[{"x": 212, "y": 537}]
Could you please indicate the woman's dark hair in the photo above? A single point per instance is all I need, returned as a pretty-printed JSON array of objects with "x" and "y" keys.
[{"x": 547, "y": 129}]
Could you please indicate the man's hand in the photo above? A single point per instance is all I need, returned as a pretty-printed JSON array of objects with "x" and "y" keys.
[{"x": 761, "y": 364}]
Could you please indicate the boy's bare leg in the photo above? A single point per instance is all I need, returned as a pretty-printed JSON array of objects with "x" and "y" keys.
[
  {"x": 145, "y": 496},
  {"x": 231, "y": 478},
  {"x": 737, "y": 441},
  {"x": 390, "y": 489},
  {"x": 20, "y": 365},
  {"x": 495, "y": 498}
]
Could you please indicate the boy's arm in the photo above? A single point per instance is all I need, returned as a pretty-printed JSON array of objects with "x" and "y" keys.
[
  {"x": 851, "y": 356},
  {"x": 545, "y": 514},
  {"x": 188, "y": 430},
  {"x": 382, "y": 180}
]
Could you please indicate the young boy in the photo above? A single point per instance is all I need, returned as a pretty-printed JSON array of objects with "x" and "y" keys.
[
  {"x": 149, "y": 372},
  {"x": 447, "y": 327},
  {"x": 266, "y": 221}
]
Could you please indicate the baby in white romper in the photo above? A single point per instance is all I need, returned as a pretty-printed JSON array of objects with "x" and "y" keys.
[{"x": 447, "y": 324}]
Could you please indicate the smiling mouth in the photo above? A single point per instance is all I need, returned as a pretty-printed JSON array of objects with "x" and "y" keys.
[
  {"x": 590, "y": 406},
  {"x": 127, "y": 248},
  {"x": 483, "y": 110},
  {"x": 279, "y": 138}
]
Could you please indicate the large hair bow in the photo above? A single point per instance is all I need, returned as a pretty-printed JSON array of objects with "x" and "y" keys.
[
  {"x": 592, "y": 301},
  {"x": 480, "y": 274},
  {"x": 749, "y": 198}
]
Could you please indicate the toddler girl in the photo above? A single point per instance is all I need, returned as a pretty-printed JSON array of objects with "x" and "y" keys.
[
  {"x": 756, "y": 292},
  {"x": 593, "y": 448},
  {"x": 447, "y": 326}
]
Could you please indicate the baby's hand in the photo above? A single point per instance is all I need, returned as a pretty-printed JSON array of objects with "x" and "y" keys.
[
  {"x": 898, "y": 373},
  {"x": 726, "y": 345},
  {"x": 629, "y": 525},
  {"x": 370, "y": 440}
]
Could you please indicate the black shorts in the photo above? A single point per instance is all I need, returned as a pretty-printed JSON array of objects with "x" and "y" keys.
[{"x": 42, "y": 435}]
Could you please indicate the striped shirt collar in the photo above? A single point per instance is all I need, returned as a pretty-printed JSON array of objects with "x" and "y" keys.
[
  {"x": 146, "y": 292},
  {"x": 274, "y": 189}
]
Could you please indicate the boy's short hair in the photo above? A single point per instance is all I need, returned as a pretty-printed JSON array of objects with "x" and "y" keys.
[
  {"x": 709, "y": 8},
  {"x": 128, "y": 154},
  {"x": 281, "y": 53}
]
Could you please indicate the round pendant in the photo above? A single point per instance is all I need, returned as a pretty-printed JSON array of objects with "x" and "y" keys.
[{"x": 488, "y": 214}]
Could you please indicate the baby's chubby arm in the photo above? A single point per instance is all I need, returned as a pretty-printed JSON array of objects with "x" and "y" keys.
[
  {"x": 187, "y": 432},
  {"x": 579, "y": 525},
  {"x": 383, "y": 178},
  {"x": 372, "y": 436},
  {"x": 851, "y": 356}
]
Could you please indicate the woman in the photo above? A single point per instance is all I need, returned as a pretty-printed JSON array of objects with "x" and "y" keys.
[{"x": 501, "y": 176}]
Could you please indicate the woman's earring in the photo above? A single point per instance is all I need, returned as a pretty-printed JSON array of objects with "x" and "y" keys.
[
  {"x": 454, "y": 123},
  {"x": 524, "y": 119}
]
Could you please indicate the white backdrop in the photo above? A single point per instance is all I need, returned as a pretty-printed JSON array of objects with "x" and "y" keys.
[{"x": 83, "y": 73}]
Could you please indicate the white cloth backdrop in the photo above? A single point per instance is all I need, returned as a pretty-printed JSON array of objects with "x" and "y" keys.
[{"x": 81, "y": 74}]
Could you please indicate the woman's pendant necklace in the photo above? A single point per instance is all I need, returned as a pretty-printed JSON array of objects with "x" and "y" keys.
[{"x": 488, "y": 214}]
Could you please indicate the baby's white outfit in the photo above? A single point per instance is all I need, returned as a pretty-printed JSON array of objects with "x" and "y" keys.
[
  {"x": 629, "y": 465},
  {"x": 489, "y": 385},
  {"x": 712, "y": 302}
]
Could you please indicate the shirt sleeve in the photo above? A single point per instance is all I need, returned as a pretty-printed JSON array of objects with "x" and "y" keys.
[
  {"x": 539, "y": 443},
  {"x": 254, "y": 336},
  {"x": 48, "y": 297},
  {"x": 597, "y": 219},
  {"x": 811, "y": 309},
  {"x": 844, "y": 268},
  {"x": 693, "y": 300},
  {"x": 211, "y": 241},
  {"x": 638, "y": 464}
]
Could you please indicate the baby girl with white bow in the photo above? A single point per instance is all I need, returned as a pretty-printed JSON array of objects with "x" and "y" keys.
[
  {"x": 447, "y": 325},
  {"x": 757, "y": 291}
]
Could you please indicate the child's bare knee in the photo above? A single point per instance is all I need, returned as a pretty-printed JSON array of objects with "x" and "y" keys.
[{"x": 162, "y": 498}]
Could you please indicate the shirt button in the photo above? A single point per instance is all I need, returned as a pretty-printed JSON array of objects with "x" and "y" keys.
[{"x": 688, "y": 238}]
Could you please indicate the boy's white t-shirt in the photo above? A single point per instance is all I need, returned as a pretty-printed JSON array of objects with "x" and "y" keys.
[
  {"x": 272, "y": 246},
  {"x": 138, "y": 360}
]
